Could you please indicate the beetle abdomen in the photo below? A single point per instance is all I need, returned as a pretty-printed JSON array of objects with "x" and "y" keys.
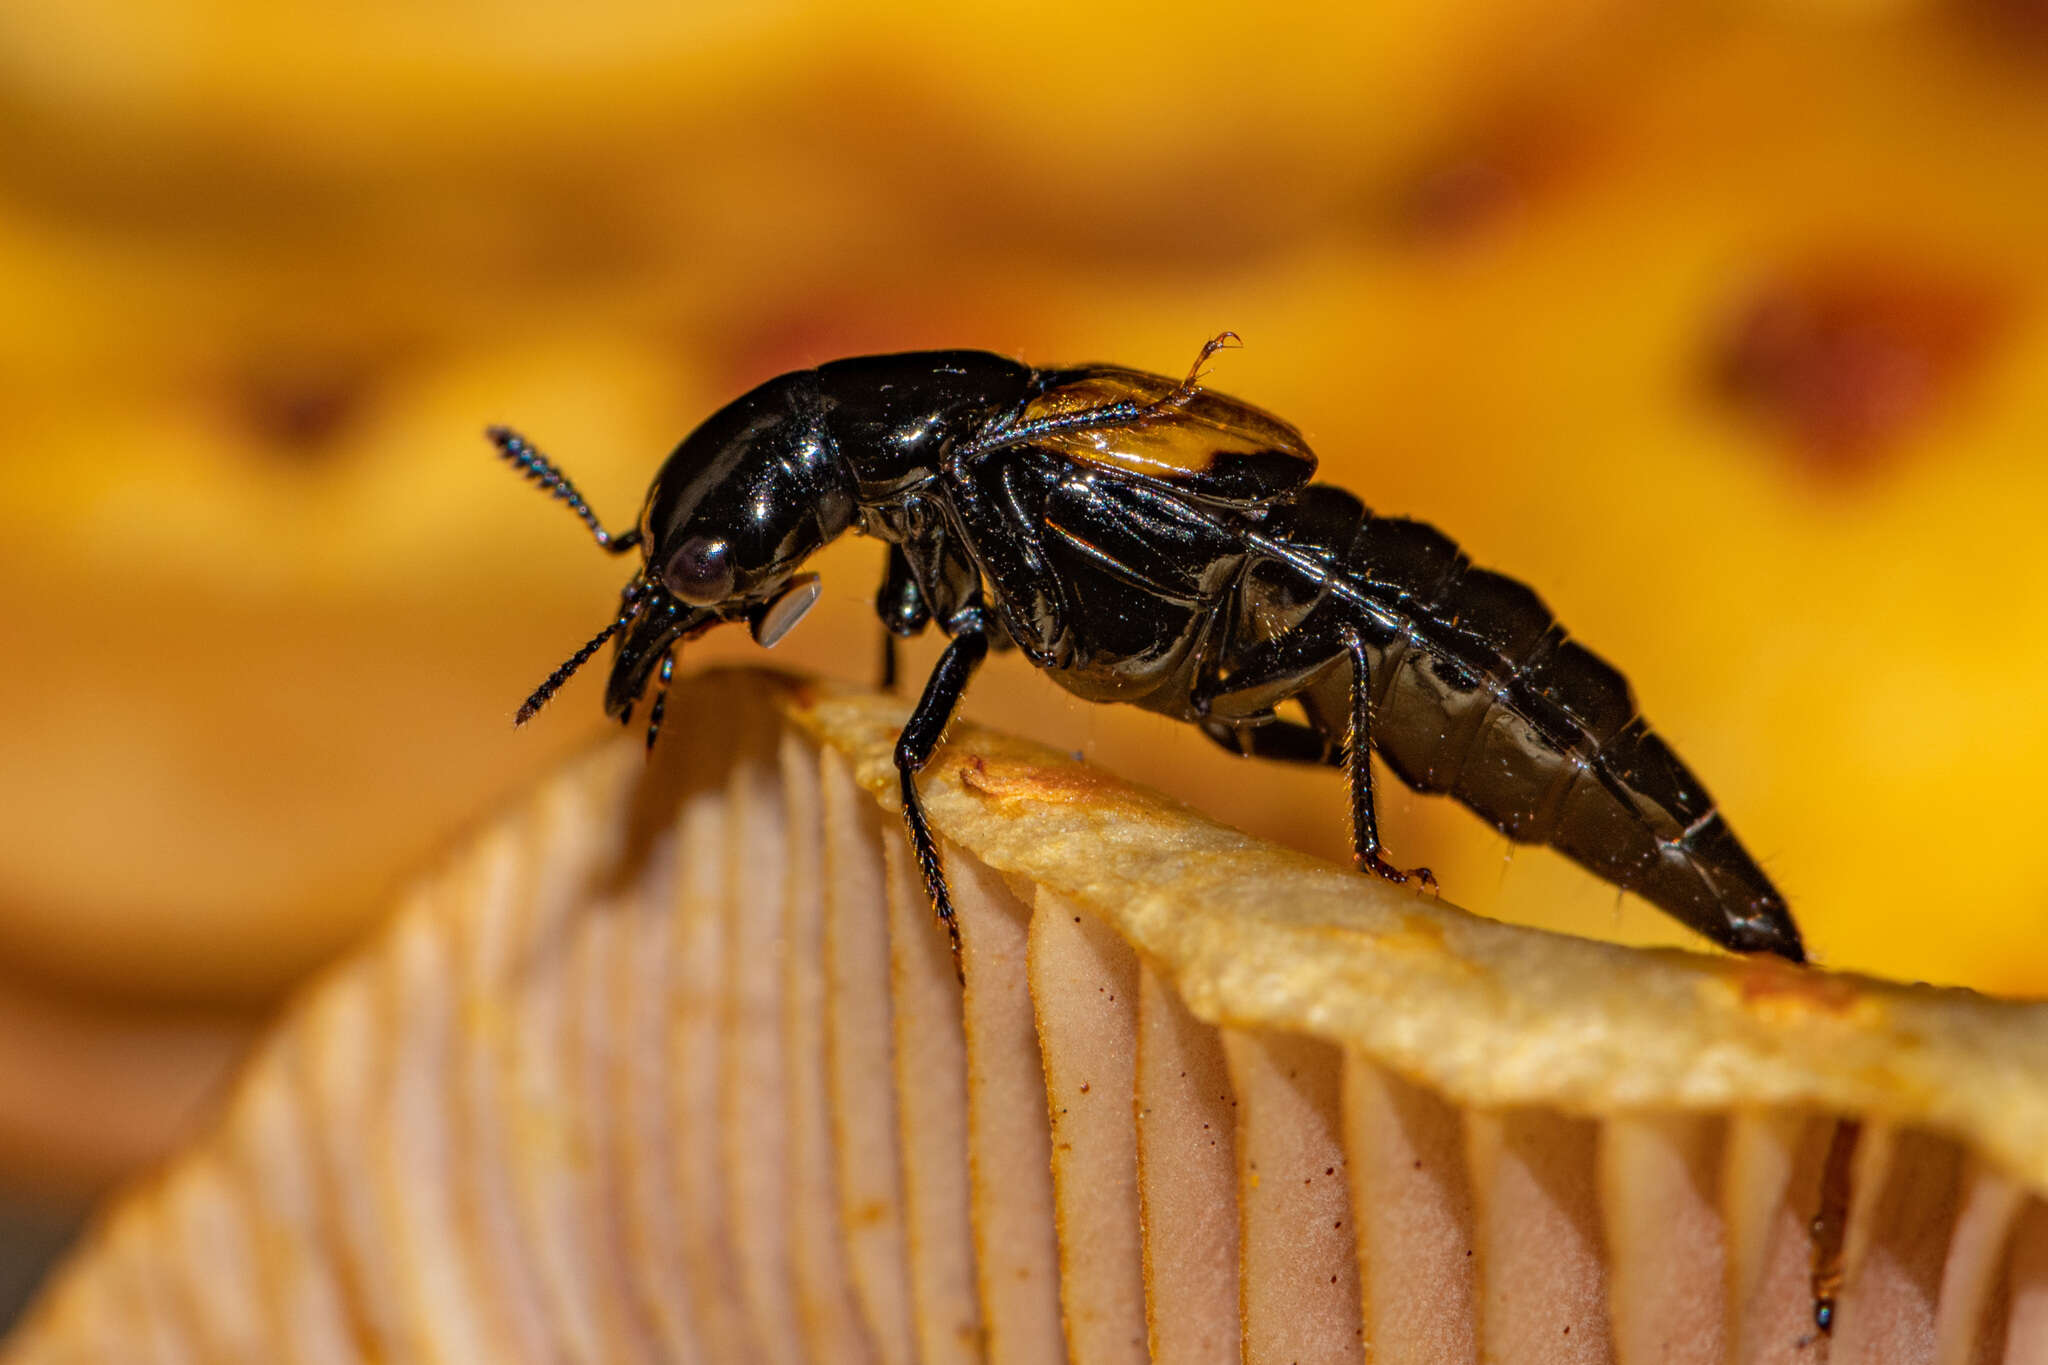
[{"x": 1478, "y": 693}]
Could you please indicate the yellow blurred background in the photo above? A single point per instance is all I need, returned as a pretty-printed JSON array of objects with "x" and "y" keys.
[{"x": 1716, "y": 321}]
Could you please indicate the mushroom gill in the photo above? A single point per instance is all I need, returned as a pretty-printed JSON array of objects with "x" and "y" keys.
[{"x": 669, "y": 1064}]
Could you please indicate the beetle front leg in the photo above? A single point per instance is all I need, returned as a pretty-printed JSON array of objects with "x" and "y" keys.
[
  {"x": 920, "y": 738},
  {"x": 668, "y": 673},
  {"x": 1002, "y": 509}
]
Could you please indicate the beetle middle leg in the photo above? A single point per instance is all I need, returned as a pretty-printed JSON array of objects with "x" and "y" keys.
[
  {"x": 901, "y": 606},
  {"x": 1286, "y": 741},
  {"x": 920, "y": 738},
  {"x": 1287, "y": 666},
  {"x": 1365, "y": 828}
]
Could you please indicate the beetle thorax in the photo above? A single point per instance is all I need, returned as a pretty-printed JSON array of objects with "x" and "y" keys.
[{"x": 895, "y": 417}]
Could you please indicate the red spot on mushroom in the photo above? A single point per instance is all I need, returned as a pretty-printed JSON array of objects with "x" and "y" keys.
[{"x": 1849, "y": 358}]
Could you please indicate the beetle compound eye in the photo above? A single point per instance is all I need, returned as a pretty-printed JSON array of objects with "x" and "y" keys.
[
  {"x": 700, "y": 572},
  {"x": 778, "y": 617}
]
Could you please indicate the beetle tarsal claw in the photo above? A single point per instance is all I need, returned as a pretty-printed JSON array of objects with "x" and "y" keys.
[{"x": 777, "y": 617}]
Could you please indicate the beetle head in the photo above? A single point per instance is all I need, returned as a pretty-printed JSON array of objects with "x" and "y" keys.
[
  {"x": 746, "y": 499},
  {"x": 729, "y": 521},
  {"x": 740, "y": 505}
]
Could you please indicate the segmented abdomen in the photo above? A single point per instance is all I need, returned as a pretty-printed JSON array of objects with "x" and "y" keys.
[{"x": 1479, "y": 693}]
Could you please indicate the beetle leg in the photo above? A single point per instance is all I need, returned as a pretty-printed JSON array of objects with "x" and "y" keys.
[
  {"x": 668, "y": 671},
  {"x": 1001, "y": 507},
  {"x": 1269, "y": 672},
  {"x": 901, "y": 606},
  {"x": 914, "y": 748},
  {"x": 1287, "y": 666},
  {"x": 1287, "y": 741},
  {"x": 1365, "y": 830},
  {"x": 1829, "y": 1223}
]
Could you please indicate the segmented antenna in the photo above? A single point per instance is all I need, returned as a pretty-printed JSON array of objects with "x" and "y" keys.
[
  {"x": 521, "y": 454},
  {"x": 546, "y": 691}
]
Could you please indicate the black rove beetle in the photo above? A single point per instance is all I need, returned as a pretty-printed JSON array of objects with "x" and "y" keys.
[{"x": 1148, "y": 541}]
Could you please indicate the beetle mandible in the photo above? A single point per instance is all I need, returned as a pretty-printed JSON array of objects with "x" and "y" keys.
[{"x": 1150, "y": 541}]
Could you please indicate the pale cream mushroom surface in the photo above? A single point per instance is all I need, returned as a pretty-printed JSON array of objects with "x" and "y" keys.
[{"x": 668, "y": 1063}]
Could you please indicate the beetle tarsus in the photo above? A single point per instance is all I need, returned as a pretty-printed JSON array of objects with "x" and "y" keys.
[
  {"x": 1378, "y": 866},
  {"x": 926, "y": 850}
]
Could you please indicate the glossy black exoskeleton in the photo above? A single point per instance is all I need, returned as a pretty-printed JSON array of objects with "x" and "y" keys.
[{"x": 1152, "y": 542}]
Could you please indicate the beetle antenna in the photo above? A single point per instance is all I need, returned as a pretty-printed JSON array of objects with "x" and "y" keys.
[
  {"x": 536, "y": 466},
  {"x": 543, "y": 693}
]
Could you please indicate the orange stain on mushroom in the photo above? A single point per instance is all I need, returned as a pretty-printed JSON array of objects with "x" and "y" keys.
[{"x": 1009, "y": 780}]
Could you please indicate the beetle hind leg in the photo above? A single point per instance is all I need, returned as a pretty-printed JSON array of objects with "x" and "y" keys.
[
  {"x": 1238, "y": 708},
  {"x": 901, "y": 608},
  {"x": 1365, "y": 830},
  {"x": 1285, "y": 741}
]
